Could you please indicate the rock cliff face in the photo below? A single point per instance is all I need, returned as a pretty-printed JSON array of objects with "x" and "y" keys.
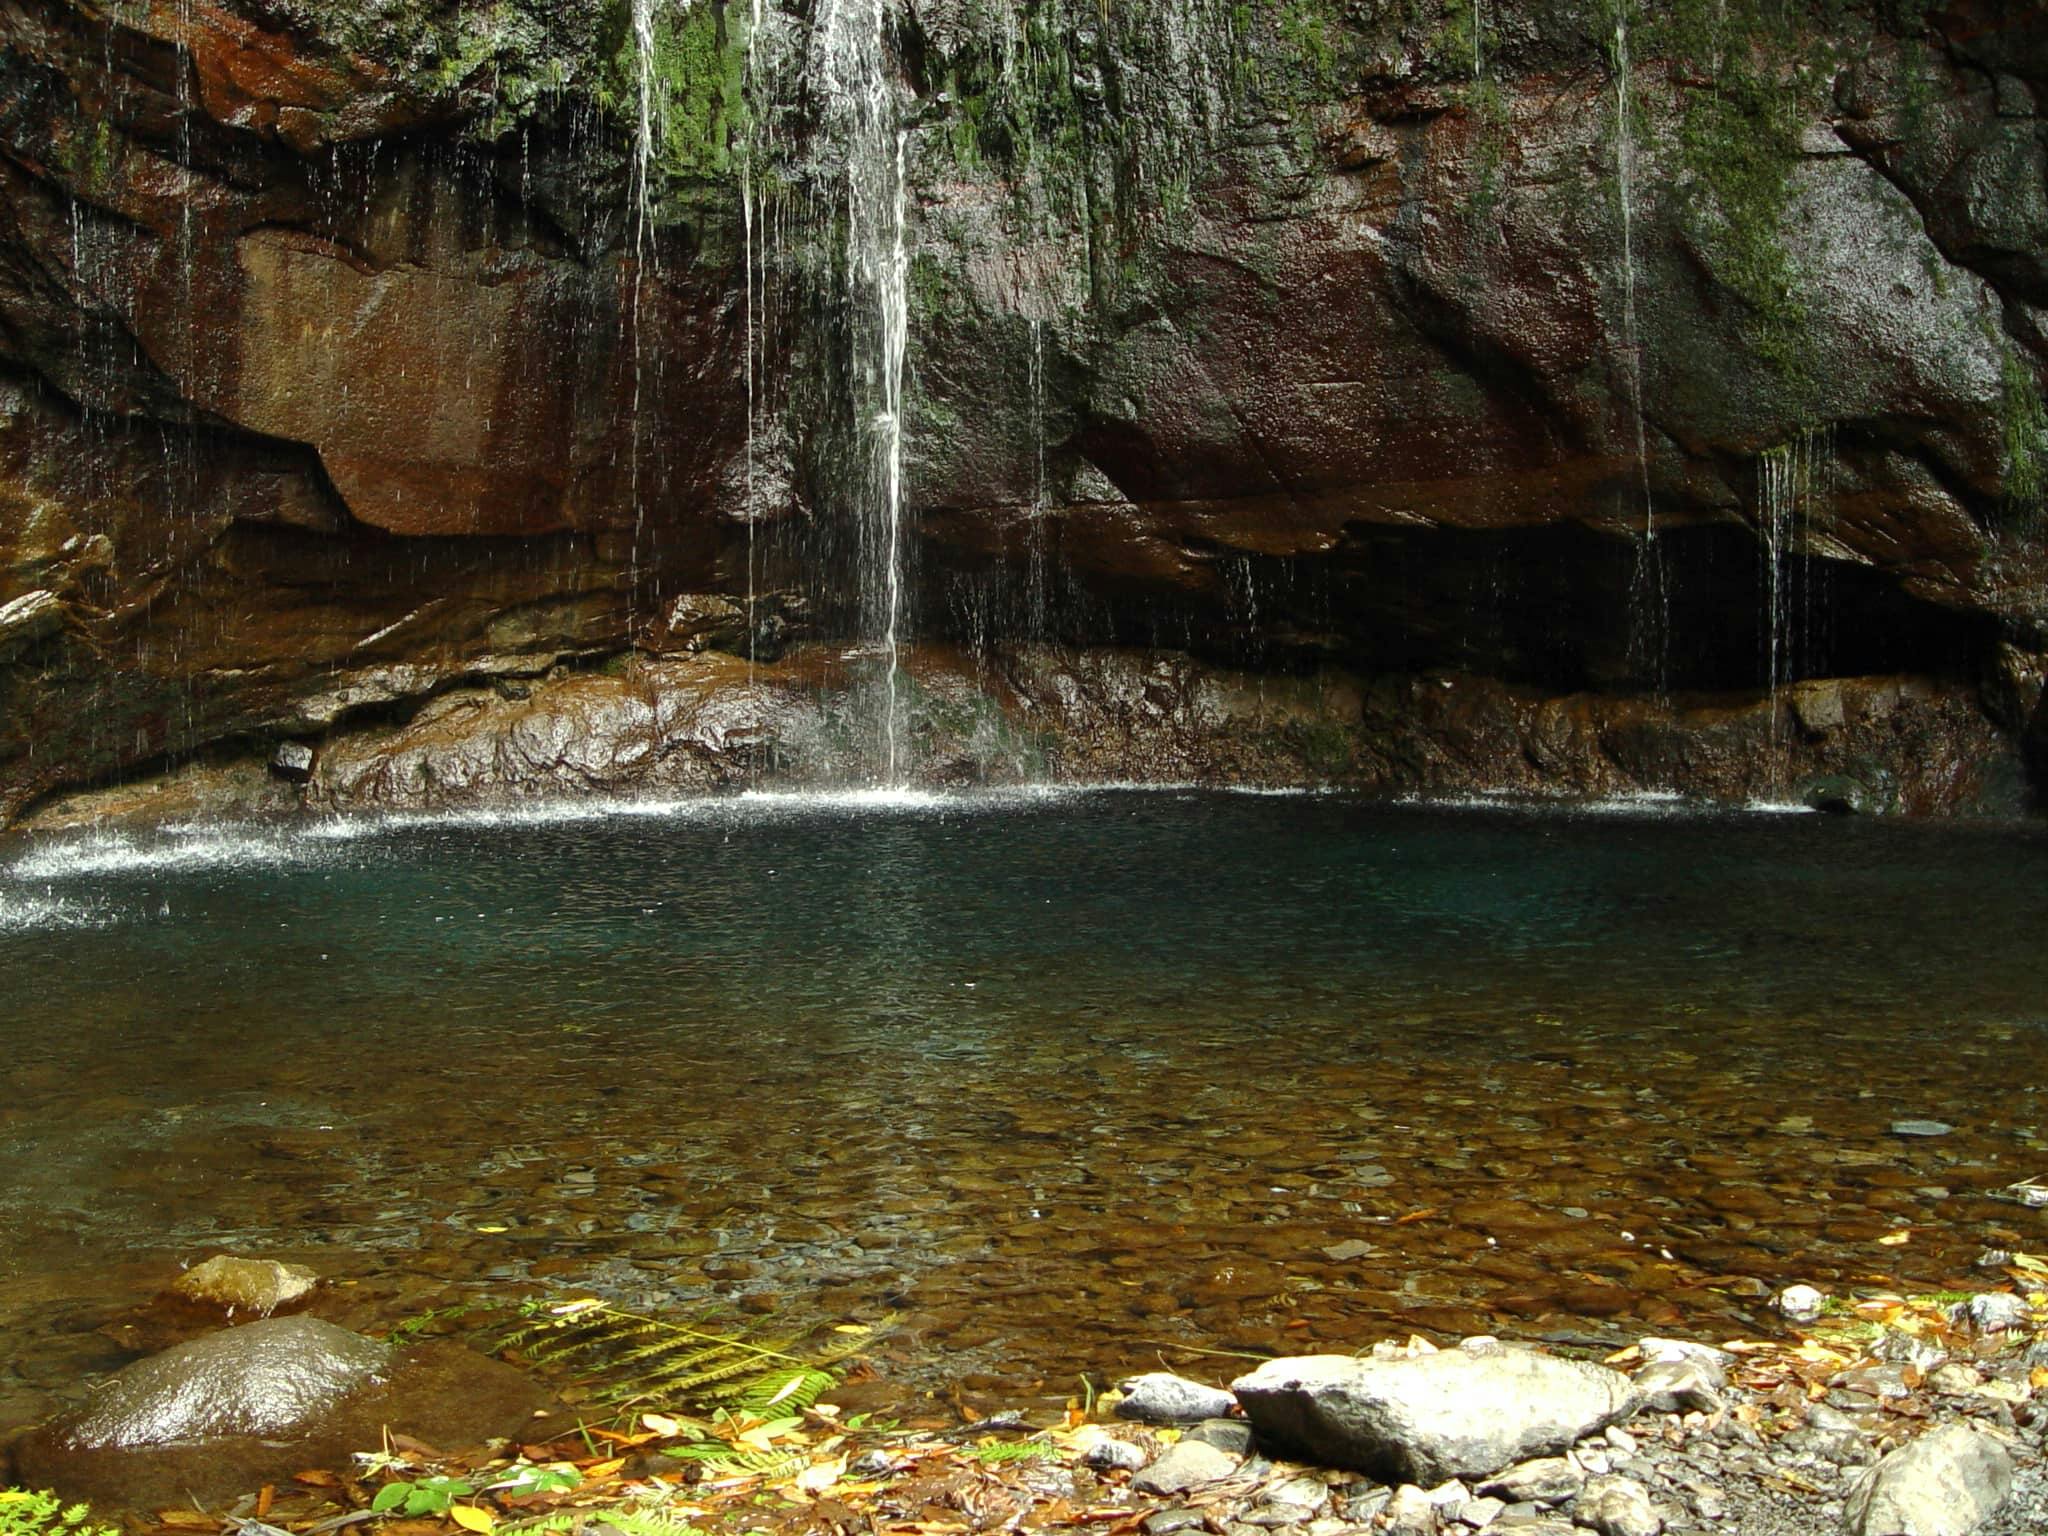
[{"x": 370, "y": 371}]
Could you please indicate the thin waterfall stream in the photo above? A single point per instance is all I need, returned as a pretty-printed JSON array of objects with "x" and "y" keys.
[
  {"x": 1651, "y": 621},
  {"x": 862, "y": 114},
  {"x": 644, "y": 256}
]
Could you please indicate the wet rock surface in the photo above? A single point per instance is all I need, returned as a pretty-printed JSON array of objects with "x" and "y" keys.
[
  {"x": 251, "y": 1405},
  {"x": 714, "y": 723},
  {"x": 330, "y": 377}
]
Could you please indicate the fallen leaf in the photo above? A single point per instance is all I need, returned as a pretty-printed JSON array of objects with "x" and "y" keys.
[
  {"x": 1422, "y": 1215},
  {"x": 614, "y": 1437},
  {"x": 592, "y": 1470},
  {"x": 188, "y": 1519},
  {"x": 317, "y": 1477},
  {"x": 821, "y": 1477},
  {"x": 265, "y": 1497},
  {"x": 472, "y": 1518},
  {"x": 1897, "y": 1239}
]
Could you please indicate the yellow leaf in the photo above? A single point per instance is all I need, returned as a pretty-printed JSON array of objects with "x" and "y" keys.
[
  {"x": 1895, "y": 1239},
  {"x": 852, "y": 1328},
  {"x": 493, "y": 1227},
  {"x": 599, "y": 1469},
  {"x": 471, "y": 1518}
]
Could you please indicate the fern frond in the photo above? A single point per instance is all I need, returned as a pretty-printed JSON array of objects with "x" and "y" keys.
[
  {"x": 620, "y": 1358},
  {"x": 769, "y": 1465},
  {"x": 788, "y": 1391},
  {"x": 1007, "y": 1451},
  {"x": 642, "y": 1522}
]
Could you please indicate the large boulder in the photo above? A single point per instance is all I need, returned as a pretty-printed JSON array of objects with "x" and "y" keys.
[
  {"x": 1463, "y": 1413},
  {"x": 1946, "y": 1483},
  {"x": 228, "y": 1412}
]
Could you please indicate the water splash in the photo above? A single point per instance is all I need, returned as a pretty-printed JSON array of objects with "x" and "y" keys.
[
  {"x": 1650, "y": 597},
  {"x": 862, "y": 113}
]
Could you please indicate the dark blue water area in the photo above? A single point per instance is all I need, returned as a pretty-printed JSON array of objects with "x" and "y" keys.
[{"x": 976, "y": 1058}]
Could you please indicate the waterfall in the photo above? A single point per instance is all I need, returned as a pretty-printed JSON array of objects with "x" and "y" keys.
[
  {"x": 753, "y": 408},
  {"x": 1035, "y": 535},
  {"x": 1649, "y": 600},
  {"x": 1790, "y": 479},
  {"x": 861, "y": 114},
  {"x": 645, "y": 128}
]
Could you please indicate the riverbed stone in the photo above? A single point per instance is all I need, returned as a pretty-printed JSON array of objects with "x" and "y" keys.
[
  {"x": 233, "y": 1410},
  {"x": 1617, "y": 1506},
  {"x": 1186, "y": 1465},
  {"x": 1159, "y": 1397},
  {"x": 1681, "y": 1385},
  {"x": 1995, "y": 1311},
  {"x": 1946, "y": 1483},
  {"x": 1466, "y": 1412},
  {"x": 1232, "y": 1435},
  {"x": 1543, "y": 1480},
  {"x": 244, "y": 1286},
  {"x": 1411, "y": 1512},
  {"x": 1799, "y": 1303},
  {"x": 1106, "y": 1452}
]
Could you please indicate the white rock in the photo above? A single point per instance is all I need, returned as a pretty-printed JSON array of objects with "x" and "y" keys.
[
  {"x": 1410, "y": 1513},
  {"x": 1615, "y": 1506},
  {"x": 1546, "y": 1480},
  {"x": 1946, "y": 1483},
  {"x": 1456, "y": 1413},
  {"x": 1799, "y": 1303}
]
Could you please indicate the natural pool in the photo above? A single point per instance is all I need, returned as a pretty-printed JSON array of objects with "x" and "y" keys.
[{"x": 1072, "y": 1080}]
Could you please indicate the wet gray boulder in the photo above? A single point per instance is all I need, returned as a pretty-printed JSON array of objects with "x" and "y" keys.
[
  {"x": 230, "y": 1411},
  {"x": 1466, "y": 1412},
  {"x": 264, "y": 1379},
  {"x": 1946, "y": 1483},
  {"x": 1159, "y": 1397}
]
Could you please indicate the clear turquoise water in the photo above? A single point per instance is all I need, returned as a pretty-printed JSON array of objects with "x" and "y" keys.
[{"x": 1071, "y": 1080}]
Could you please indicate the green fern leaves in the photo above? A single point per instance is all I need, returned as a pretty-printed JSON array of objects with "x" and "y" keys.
[
  {"x": 627, "y": 1359},
  {"x": 23, "y": 1513}
]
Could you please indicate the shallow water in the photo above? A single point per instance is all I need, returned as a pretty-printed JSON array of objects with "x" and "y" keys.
[{"x": 1073, "y": 1081}]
